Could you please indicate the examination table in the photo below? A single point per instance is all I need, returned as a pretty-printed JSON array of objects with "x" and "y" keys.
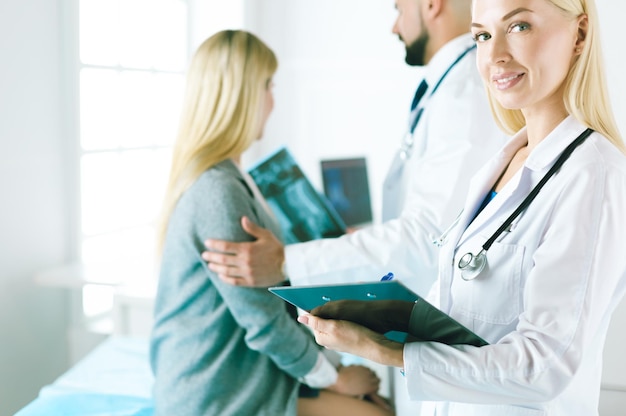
[{"x": 112, "y": 380}]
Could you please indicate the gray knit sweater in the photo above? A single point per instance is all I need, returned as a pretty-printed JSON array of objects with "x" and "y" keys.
[{"x": 218, "y": 349}]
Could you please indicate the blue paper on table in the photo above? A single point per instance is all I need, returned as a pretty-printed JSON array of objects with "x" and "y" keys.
[
  {"x": 435, "y": 324},
  {"x": 89, "y": 404}
]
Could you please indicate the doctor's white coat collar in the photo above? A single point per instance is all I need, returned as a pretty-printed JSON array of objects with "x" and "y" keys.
[
  {"x": 441, "y": 61},
  {"x": 539, "y": 161}
]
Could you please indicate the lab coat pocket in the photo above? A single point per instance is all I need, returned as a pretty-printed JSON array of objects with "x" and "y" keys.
[{"x": 494, "y": 297}]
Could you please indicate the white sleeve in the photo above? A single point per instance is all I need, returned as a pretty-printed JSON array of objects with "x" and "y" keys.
[
  {"x": 322, "y": 375},
  {"x": 461, "y": 135}
]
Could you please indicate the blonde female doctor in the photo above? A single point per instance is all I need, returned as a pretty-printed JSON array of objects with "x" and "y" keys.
[{"x": 535, "y": 264}]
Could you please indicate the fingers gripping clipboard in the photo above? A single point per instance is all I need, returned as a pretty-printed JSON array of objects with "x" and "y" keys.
[{"x": 434, "y": 325}]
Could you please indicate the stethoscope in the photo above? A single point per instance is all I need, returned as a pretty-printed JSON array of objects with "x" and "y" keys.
[
  {"x": 406, "y": 146},
  {"x": 471, "y": 265}
]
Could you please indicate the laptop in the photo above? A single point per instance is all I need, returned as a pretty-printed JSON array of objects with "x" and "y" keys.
[{"x": 346, "y": 186}]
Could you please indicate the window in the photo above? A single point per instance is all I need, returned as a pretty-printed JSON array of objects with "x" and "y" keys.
[{"x": 132, "y": 59}]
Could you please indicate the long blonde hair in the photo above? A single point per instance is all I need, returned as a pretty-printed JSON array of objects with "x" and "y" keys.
[
  {"x": 221, "y": 115},
  {"x": 586, "y": 96}
]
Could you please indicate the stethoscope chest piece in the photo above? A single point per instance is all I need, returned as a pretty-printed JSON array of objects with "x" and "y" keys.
[{"x": 472, "y": 265}]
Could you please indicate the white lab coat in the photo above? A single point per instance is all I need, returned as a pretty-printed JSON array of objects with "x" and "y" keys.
[
  {"x": 455, "y": 136},
  {"x": 545, "y": 300}
]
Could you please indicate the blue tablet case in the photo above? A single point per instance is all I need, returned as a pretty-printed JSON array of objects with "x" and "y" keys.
[{"x": 436, "y": 325}]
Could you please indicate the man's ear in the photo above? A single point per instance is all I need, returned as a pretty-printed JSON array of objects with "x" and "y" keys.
[{"x": 432, "y": 8}]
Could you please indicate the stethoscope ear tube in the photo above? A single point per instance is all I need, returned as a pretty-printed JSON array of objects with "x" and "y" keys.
[
  {"x": 406, "y": 148},
  {"x": 472, "y": 265}
]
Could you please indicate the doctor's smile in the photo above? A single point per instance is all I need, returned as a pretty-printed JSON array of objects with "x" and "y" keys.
[{"x": 506, "y": 81}]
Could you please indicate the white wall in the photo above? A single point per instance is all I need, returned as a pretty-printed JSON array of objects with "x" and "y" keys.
[
  {"x": 611, "y": 30},
  {"x": 33, "y": 218},
  {"x": 613, "y": 397},
  {"x": 342, "y": 87}
]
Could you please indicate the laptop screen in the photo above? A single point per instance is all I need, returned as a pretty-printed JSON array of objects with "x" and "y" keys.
[{"x": 346, "y": 186}]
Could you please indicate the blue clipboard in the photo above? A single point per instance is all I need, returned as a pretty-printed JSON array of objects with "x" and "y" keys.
[
  {"x": 435, "y": 325},
  {"x": 309, "y": 297}
]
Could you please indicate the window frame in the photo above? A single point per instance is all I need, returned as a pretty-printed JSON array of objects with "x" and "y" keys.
[{"x": 72, "y": 85}]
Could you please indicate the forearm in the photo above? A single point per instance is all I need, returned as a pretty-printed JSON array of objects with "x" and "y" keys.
[
  {"x": 355, "y": 339},
  {"x": 386, "y": 352}
]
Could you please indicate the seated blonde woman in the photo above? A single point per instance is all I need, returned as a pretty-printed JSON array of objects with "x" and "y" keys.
[{"x": 218, "y": 349}]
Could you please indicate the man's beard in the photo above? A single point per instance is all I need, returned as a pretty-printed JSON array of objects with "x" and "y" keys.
[{"x": 416, "y": 51}]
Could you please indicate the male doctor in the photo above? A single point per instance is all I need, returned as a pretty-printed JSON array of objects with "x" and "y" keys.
[{"x": 451, "y": 133}]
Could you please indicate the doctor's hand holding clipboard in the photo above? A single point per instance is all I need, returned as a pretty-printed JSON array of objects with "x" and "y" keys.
[
  {"x": 350, "y": 337},
  {"x": 369, "y": 319},
  {"x": 380, "y": 316},
  {"x": 387, "y": 308}
]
